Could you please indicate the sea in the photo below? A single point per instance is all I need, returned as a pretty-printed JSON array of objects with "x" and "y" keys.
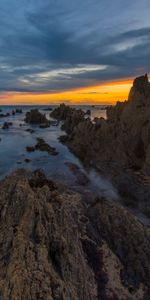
[{"x": 13, "y": 154}]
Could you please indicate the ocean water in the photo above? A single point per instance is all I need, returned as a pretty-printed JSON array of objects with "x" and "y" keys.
[
  {"x": 13, "y": 143},
  {"x": 15, "y": 140}
]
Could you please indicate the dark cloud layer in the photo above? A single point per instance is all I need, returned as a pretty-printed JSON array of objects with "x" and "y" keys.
[{"x": 60, "y": 44}]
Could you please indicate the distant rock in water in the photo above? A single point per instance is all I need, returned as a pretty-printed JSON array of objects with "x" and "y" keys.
[
  {"x": 4, "y": 115},
  {"x": 7, "y": 125},
  {"x": 19, "y": 111},
  {"x": 71, "y": 116},
  {"x": 35, "y": 117},
  {"x": 53, "y": 247},
  {"x": 42, "y": 146},
  {"x": 48, "y": 109},
  {"x": 88, "y": 112}
]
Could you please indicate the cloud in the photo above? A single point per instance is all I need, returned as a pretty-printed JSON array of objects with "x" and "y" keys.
[{"x": 55, "y": 45}]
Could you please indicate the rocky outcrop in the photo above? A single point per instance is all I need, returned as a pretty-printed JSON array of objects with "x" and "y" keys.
[
  {"x": 123, "y": 139},
  {"x": 4, "y": 115},
  {"x": 35, "y": 117},
  {"x": 71, "y": 117},
  {"x": 42, "y": 146},
  {"x": 54, "y": 248},
  {"x": 19, "y": 111},
  {"x": 118, "y": 146},
  {"x": 7, "y": 125},
  {"x": 61, "y": 112}
]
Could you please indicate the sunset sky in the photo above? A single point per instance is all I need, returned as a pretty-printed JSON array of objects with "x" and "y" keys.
[{"x": 76, "y": 52}]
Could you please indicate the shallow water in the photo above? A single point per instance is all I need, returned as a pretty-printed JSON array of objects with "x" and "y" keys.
[
  {"x": 13, "y": 154},
  {"x": 15, "y": 140}
]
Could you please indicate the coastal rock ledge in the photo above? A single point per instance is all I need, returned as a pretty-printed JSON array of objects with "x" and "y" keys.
[
  {"x": 122, "y": 140},
  {"x": 52, "y": 247}
]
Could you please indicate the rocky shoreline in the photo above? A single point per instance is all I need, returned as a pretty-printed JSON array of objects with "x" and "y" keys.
[
  {"x": 54, "y": 247},
  {"x": 59, "y": 244},
  {"x": 119, "y": 146}
]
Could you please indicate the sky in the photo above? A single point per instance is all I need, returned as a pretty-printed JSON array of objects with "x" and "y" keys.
[{"x": 87, "y": 51}]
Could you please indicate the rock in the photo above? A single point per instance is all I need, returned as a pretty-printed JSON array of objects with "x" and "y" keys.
[
  {"x": 27, "y": 160},
  {"x": 42, "y": 146},
  {"x": 71, "y": 116},
  {"x": 7, "y": 125},
  {"x": 48, "y": 109},
  {"x": 63, "y": 138},
  {"x": 53, "y": 247},
  {"x": 141, "y": 83},
  {"x": 61, "y": 112},
  {"x": 4, "y": 115},
  {"x": 123, "y": 239},
  {"x": 88, "y": 112},
  {"x": 54, "y": 123},
  {"x": 19, "y": 111},
  {"x": 81, "y": 178},
  {"x": 117, "y": 146},
  {"x": 45, "y": 125},
  {"x": 13, "y": 113},
  {"x": 76, "y": 117},
  {"x": 126, "y": 129},
  {"x": 30, "y": 149},
  {"x": 30, "y": 130},
  {"x": 35, "y": 117}
]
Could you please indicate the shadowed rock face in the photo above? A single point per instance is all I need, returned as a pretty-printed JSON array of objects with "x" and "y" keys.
[
  {"x": 71, "y": 117},
  {"x": 122, "y": 139},
  {"x": 35, "y": 117},
  {"x": 54, "y": 248}
]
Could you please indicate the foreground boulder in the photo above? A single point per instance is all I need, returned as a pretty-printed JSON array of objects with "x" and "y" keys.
[
  {"x": 35, "y": 117},
  {"x": 53, "y": 247}
]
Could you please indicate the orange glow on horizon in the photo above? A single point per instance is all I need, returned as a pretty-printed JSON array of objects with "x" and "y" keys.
[{"x": 104, "y": 93}]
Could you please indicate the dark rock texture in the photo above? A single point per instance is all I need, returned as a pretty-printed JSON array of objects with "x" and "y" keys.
[
  {"x": 35, "y": 117},
  {"x": 118, "y": 146},
  {"x": 7, "y": 125},
  {"x": 122, "y": 139},
  {"x": 42, "y": 146},
  {"x": 4, "y": 115},
  {"x": 53, "y": 248},
  {"x": 71, "y": 116}
]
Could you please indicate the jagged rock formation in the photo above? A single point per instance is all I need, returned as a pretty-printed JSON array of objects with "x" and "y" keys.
[
  {"x": 118, "y": 146},
  {"x": 71, "y": 117},
  {"x": 35, "y": 117},
  {"x": 123, "y": 139},
  {"x": 54, "y": 248}
]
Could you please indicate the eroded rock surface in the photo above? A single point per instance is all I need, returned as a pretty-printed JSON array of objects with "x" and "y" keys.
[
  {"x": 54, "y": 248},
  {"x": 118, "y": 146},
  {"x": 124, "y": 138},
  {"x": 35, "y": 117},
  {"x": 71, "y": 117}
]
